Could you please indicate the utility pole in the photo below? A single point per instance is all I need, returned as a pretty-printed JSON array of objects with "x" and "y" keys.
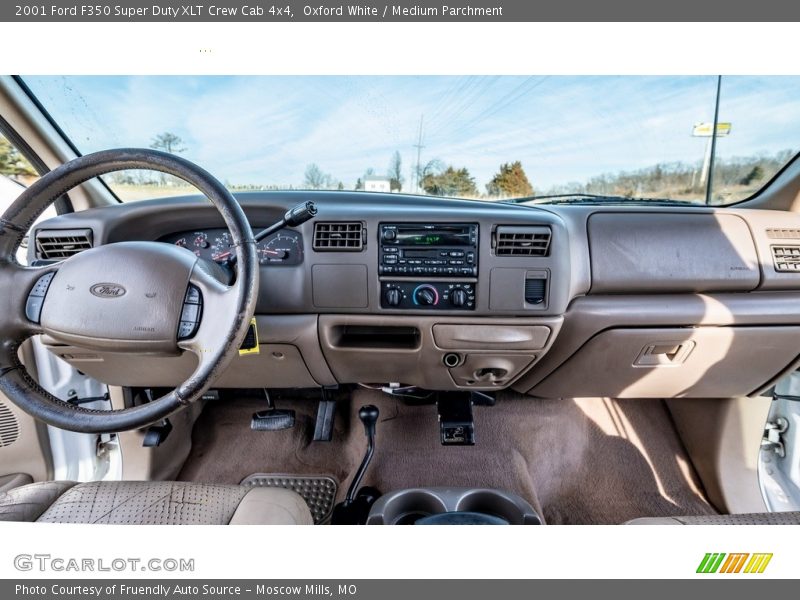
[
  {"x": 419, "y": 148},
  {"x": 712, "y": 150}
]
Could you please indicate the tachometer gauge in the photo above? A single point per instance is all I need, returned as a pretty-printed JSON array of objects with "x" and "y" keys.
[
  {"x": 181, "y": 242},
  {"x": 284, "y": 248}
]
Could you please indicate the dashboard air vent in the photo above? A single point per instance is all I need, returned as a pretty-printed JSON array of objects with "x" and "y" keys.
[
  {"x": 339, "y": 237},
  {"x": 786, "y": 258},
  {"x": 58, "y": 244},
  {"x": 777, "y": 233},
  {"x": 9, "y": 426},
  {"x": 522, "y": 241}
]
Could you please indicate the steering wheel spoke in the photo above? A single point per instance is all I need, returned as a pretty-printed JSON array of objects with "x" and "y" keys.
[
  {"x": 208, "y": 304},
  {"x": 24, "y": 293}
]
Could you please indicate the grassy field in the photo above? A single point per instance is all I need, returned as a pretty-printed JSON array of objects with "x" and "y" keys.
[
  {"x": 131, "y": 193},
  {"x": 727, "y": 195}
]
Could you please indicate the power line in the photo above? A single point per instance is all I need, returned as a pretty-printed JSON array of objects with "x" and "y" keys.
[{"x": 419, "y": 146}]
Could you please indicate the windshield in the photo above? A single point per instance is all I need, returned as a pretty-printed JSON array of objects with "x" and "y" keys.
[{"x": 496, "y": 138}]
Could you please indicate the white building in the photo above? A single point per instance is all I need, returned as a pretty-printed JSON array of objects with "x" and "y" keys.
[{"x": 377, "y": 184}]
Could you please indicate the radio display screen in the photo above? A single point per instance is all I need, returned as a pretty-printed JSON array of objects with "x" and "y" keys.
[{"x": 432, "y": 238}]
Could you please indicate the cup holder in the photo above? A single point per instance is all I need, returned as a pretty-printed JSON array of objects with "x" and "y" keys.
[
  {"x": 491, "y": 502},
  {"x": 406, "y": 507}
]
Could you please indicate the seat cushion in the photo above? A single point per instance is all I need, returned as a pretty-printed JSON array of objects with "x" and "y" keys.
[
  {"x": 153, "y": 503},
  {"x": 779, "y": 518}
]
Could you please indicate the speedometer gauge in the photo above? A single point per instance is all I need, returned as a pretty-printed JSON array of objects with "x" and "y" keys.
[
  {"x": 284, "y": 248},
  {"x": 222, "y": 248}
]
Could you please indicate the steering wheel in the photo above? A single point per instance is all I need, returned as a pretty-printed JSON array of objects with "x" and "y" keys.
[{"x": 129, "y": 297}]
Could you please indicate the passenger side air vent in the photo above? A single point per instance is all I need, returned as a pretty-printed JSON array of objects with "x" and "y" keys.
[
  {"x": 786, "y": 258},
  {"x": 522, "y": 241},
  {"x": 535, "y": 289},
  {"x": 339, "y": 237},
  {"x": 58, "y": 244},
  {"x": 9, "y": 426}
]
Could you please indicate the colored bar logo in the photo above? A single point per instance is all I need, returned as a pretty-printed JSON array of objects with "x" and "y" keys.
[{"x": 738, "y": 562}]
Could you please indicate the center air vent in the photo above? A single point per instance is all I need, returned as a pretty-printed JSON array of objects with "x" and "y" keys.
[
  {"x": 339, "y": 237},
  {"x": 522, "y": 241},
  {"x": 58, "y": 244},
  {"x": 9, "y": 427}
]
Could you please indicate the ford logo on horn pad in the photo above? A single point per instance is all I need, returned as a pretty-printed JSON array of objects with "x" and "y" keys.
[{"x": 107, "y": 290}]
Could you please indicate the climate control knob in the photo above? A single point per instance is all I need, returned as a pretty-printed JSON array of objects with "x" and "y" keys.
[
  {"x": 426, "y": 295},
  {"x": 458, "y": 297},
  {"x": 393, "y": 296}
]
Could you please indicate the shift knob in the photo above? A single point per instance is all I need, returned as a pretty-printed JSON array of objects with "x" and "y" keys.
[{"x": 369, "y": 417}]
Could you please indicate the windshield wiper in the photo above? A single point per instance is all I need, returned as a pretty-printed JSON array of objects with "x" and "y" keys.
[{"x": 597, "y": 199}]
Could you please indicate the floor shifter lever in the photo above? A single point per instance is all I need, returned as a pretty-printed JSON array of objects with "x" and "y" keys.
[{"x": 356, "y": 505}]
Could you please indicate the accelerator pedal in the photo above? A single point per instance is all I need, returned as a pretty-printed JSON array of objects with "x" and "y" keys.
[{"x": 318, "y": 491}]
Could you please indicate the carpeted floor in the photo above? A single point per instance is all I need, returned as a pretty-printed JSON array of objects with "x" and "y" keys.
[{"x": 587, "y": 460}]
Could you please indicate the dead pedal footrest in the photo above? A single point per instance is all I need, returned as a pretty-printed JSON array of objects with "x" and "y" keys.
[{"x": 319, "y": 491}]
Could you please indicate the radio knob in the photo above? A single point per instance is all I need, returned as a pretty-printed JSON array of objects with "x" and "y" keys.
[
  {"x": 389, "y": 235},
  {"x": 458, "y": 297},
  {"x": 426, "y": 295},
  {"x": 393, "y": 297}
]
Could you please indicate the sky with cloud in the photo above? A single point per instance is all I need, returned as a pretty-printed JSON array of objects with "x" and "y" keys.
[{"x": 266, "y": 130}]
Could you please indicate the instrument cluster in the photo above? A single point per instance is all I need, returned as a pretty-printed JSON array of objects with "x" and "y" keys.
[{"x": 284, "y": 248}]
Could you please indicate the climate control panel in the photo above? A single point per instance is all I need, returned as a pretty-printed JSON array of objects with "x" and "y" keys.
[{"x": 424, "y": 295}]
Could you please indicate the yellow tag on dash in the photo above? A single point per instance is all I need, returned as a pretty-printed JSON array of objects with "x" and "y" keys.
[{"x": 250, "y": 343}]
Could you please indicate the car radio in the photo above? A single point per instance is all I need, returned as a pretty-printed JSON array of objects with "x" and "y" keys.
[{"x": 439, "y": 249}]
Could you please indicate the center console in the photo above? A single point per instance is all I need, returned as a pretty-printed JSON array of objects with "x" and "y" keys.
[{"x": 428, "y": 266}]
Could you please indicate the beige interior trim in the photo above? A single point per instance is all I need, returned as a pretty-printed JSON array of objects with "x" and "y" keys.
[
  {"x": 590, "y": 315},
  {"x": 289, "y": 356},
  {"x": 483, "y": 363},
  {"x": 723, "y": 438},
  {"x": 676, "y": 362},
  {"x": 637, "y": 252},
  {"x": 14, "y": 480},
  {"x": 782, "y": 194},
  {"x": 26, "y": 455},
  {"x": 164, "y": 462},
  {"x": 29, "y": 454}
]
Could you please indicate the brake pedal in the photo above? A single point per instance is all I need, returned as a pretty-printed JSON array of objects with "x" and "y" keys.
[{"x": 272, "y": 419}]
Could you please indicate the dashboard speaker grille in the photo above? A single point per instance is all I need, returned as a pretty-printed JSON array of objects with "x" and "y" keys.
[
  {"x": 522, "y": 241},
  {"x": 786, "y": 258},
  {"x": 9, "y": 426},
  {"x": 338, "y": 237},
  {"x": 777, "y": 233},
  {"x": 58, "y": 244}
]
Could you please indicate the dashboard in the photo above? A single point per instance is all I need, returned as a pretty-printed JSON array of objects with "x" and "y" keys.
[{"x": 553, "y": 301}]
